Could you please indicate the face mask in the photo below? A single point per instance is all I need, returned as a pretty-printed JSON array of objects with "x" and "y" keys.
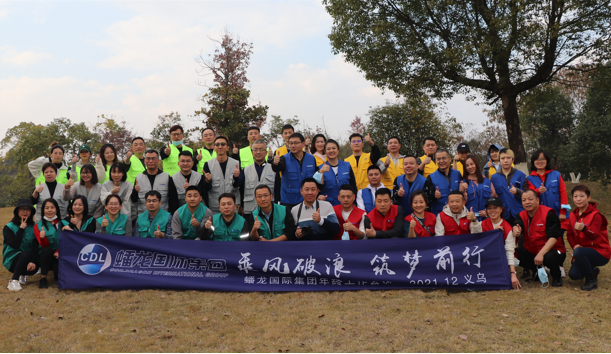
[
  {"x": 543, "y": 276},
  {"x": 177, "y": 143},
  {"x": 50, "y": 219}
]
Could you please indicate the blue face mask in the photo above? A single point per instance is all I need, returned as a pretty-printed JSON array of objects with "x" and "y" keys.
[
  {"x": 543, "y": 276},
  {"x": 177, "y": 143}
]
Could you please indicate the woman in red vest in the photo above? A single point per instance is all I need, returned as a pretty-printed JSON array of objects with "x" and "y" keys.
[
  {"x": 587, "y": 234},
  {"x": 420, "y": 223},
  {"x": 494, "y": 210}
]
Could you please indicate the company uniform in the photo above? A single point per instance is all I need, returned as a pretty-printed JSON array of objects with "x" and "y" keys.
[
  {"x": 252, "y": 176},
  {"x": 394, "y": 170},
  {"x": 207, "y": 155},
  {"x": 361, "y": 163},
  {"x": 428, "y": 168},
  {"x": 333, "y": 179},
  {"x": 323, "y": 230},
  {"x": 17, "y": 250},
  {"x": 389, "y": 225},
  {"x": 279, "y": 222},
  {"x": 47, "y": 247},
  {"x": 135, "y": 167},
  {"x": 87, "y": 225},
  {"x": 146, "y": 225},
  {"x": 449, "y": 223},
  {"x": 510, "y": 242},
  {"x": 593, "y": 239},
  {"x": 419, "y": 183},
  {"x": 147, "y": 182},
  {"x": 181, "y": 222},
  {"x": 478, "y": 194},
  {"x": 35, "y": 168},
  {"x": 50, "y": 190},
  {"x": 365, "y": 198},
  {"x": 355, "y": 216},
  {"x": 294, "y": 171},
  {"x": 512, "y": 204},
  {"x": 555, "y": 195},
  {"x": 424, "y": 227},
  {"x": 236, "y": 229},
  {"x": 125, "y": 192},
  {"x": 170, "y": 162},
  {"x": 446, "y": 183},
  {"x": 93, "y": 195},
  {"x": 103, "y": 172},
  {"x": 122, "y": 226},
  {"x": 176, "y": 189},
  {"x": 223, "y": 181}
]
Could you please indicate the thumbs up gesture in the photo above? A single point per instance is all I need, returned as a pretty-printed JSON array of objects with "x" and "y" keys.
[
  {"x": 542, "y": 189},
  {"x": 73, "y": 220},
  {"x": 579, "y": 225},
  {"x": 194, "y": 221},
  {"x": 427, "y": 160},
  {"x": 70, "y": 183},
  {"x": 43, "y": 233},
  {"x": 137, "y": 186},
  {"x": 412, "y": 224},
  {"x": 370, "y": 232},
  {"x": 471, "y": 215},
  {"x": 98, "y": 158},
  {"x": 325, "y": 168},
  {"x": 463, "y": 186},
  {"x": 208, "y": 176},
  {"x": 130, "y": 153},
  {"x": 168, "y": 150},
  {"x": 387, "y": 160},
  {"x": 276, "y": 159},
  {"x": 199, "y": 156},
  {"x": 517, "y": 230},
  {"x": 437, "y": 193},
  {"x": 316, "y": 216},
  {"x": 256, "y": 225},
  {"x": 39, "y": 187},
  {"x": 513, "y": 190},
  {"x": 236, "y": 172},
  {"x": 307, "y": 140},
  {"x": 104, "y": 221},
  {"x": 74, "y": 159},
  {"x": 401, "y": 191},
  {"x": 185, "y": 185},
  {"x": 368, "y": 139},
  {"x": 117, "y": 187},
  {"x": 489, "y": 164},
  {"x": 208, "y": 223},
  {"x": 348, "y": 226},
  {"x": 235, "y": 149},
  {"x": 158, "y": 233},
  {"x": 322, "y": 197}
]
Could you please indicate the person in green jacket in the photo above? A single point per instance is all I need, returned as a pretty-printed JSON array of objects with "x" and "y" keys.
[
  {"x": 270, "y": 221},
  {"x": 188, "y": 220},
  {"x": 228, "y": 225},
  {"x": 46, "y": 243},
  {"x": 169, "y": 155},
  {"x": 17, "y": 255},
  {"x": 113, "y": 222},
  {"x": 154, "y": 222}
]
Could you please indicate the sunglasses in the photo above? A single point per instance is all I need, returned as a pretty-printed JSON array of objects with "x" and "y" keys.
[{"x": 220, "y": 144}]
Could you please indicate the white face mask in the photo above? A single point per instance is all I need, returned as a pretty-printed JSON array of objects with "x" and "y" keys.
[
  {"x": 543, "y": 277},
  {"x": 50, "y": 219}
]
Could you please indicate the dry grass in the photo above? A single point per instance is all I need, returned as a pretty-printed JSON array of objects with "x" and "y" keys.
[{"x": 531, "y": 320}]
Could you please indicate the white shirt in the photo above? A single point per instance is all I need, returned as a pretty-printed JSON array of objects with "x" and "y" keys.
[{"x": 359, "y": 196}]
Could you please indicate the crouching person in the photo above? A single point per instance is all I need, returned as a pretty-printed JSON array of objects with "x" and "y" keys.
[
  {"x": 385, "y": 220},
  {"x": 315, "y": 219},
  {"x": 113, "y": 222},
  {"x": 228, "y": 225},
  {"x": 17, "y": 255},
  {"x": 154, "y": 222},
  {"x": 188, "y": 221},
  {"x": 46, "y": 243},
  {"x": 270, "y": 222},
  {"x": 455, "y": 219}
]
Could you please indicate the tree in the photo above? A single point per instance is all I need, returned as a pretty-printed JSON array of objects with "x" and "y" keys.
[
  {"x": 498, "y": 48},
  {"x": 357, "y": 126},
  {"x": 274, "y": 137},
  {"x": 160, "y": 135},
  {"x": 227, "y": 109},
  {"x": 411, "y": 120},
  {"x": 117, "y": 133}
]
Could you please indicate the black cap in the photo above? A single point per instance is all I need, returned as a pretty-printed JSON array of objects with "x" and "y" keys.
[
  {"x": 24, "y": 203},
  {"x": 494, "y": 201},
  {"x": 463, "y": 146}
]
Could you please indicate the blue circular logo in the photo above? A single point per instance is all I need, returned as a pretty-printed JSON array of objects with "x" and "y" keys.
[{"x": 94, "y": 258}]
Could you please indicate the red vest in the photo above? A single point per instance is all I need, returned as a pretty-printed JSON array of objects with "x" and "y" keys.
[
  {"x": 452, "y": 228},
  {"x": 600, "y": 242},
  {"x": 355, "y": 217},
  {"x": 429, "y": 223},
  {"x": 487, "y": 226},
  {"x": 534, "y": 233},
  {"x": 383, "y": 223}
]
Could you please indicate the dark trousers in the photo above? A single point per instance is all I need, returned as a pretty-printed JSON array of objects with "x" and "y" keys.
[
  {"x": 20, "y": 263},
  {"x": 585, "y": 260},
  {"x": 49, "y": 262},
  {"x": 552, "y": 259}
]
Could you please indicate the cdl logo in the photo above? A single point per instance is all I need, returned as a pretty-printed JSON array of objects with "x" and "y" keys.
[{"x": 94, "y": 258}]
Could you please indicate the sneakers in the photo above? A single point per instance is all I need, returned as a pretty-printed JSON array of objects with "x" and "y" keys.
[
  {"x": 23, "y": 279},
  {"x": 562, "y": 273},
  {"x": 43, "y": 283},
  {"x": 14, "y": 285}
]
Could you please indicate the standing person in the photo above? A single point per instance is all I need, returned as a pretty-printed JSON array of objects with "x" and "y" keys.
[
  {"x": 113, "y": 222},
  {"x": 456, "y": 219},
  {"x": 359, "y": 160},
  {"x": 227, "y": 225},
  {"x": 181, "y": 181},
  {"x": 393, "y": 163},
  {"x": 493, "y": 162},
  {"x": 245, "y": 154},
  {"x": 549, "y": 186},
  {"x": 46, "y": 243},
  {"x": 188, "y": 221},
  {"x": 543, "y": 244},
  {"x": 56, "y": 157},
  {"x": 315, "y": 219},
  {"x": 154, "y": 222},
  {"x": 508, "y": 183},
  {"x": 207, "y": 152},
  {"x": 426, "y": 163},
  {"x": 260, "y": 172},
  {"x": 409, "y": 182},
  {"x": 221, "y": 174},
  {"x": 386, "y": 220},
  {"x": 134, "y": 160},
  {"x": 169, "y": 155},
  {"x": 419, "y": 223},
  {"x": 351, "y": 219},
  {"x": 117, "y": 184},
  {"x": 151, "y": 179},
  {"x": 88, "y": 187},
  {"x": 333, "y": 174},
  {"x": 104, "y": 161},
  {"x": 588, "y": 236},
  {"x": 462, "y": 152},
  {"x": 270, "y": 221},
  {"x": 83, "y": 158},
  {"x": 287, "y": 131},
  {"x": 78, "y": 217},
  {"x": 17, "y": 255},
  {"x": 444, "y": 180},
  {"x": 318, "y": 149},
  {"x": 296, "y": 166},
  {"x": 478, "y": 188},
  {"x": 365, "y": 198},
  {"x": 494, "y": 210},
  {"x": 50, "y": 188}
]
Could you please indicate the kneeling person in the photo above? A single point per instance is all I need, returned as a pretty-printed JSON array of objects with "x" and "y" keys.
[
  {"x": 270, "y": 222},
  {"x": 386, "y": 219},
  {"x": 155, "y": 222},
  {"x": 113, "y": 222},
  {"x": 188, "y": 220},
  {"x": 228, "y": 225},
  {"x": 315, "y": 219},
  {"x": 351, "y": 219},
  {"x": 455, "y": 219}
]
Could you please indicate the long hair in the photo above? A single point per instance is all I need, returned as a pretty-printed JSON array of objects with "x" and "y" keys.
[
  {"x": 535, "y": 157},
  {"x": 42, "y": 211},
  {"x": 17, "y": 220},
  {"x": 94, "y": 175},
  {"x": 478, "y": 172},
  {"x": 103, "y": 149},
  {"x": 83, "y": 200},
  {"x": 313, "y": 146}
]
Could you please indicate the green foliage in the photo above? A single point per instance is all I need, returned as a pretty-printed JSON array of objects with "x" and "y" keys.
[
  {"x": 411, "y": 120},
  {"x": 274, "y": 137},
  {"x": 160, "y": 135},
  {"x": 109, "y": 130}
]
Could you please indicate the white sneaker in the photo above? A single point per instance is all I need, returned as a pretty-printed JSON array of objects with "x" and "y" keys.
[
  {"x": 23, "y": 279},
  {"x": 14, "y": 285},
  {"x": 562, "y": 273},
  {"x": 39, "y": 272}
]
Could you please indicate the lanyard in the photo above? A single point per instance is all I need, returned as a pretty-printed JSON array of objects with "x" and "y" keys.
[{"x": 421, "y": 224}]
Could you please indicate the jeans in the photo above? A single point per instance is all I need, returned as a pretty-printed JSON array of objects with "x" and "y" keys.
[{"x": 585, "y": 259}]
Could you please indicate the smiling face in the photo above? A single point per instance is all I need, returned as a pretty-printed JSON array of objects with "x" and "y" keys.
[
  {"x": 494, "y": 154},
  {"x": 221, "y": 147},
  {"x": 78, "y": 207},
  {"x": 50, "y": 174},
  {"x": 429, "y": 147},
  {"x": 24, "y": 212},
  {"x": 419, "y": 204},
  {"x": 393, "y": 145},
  {"x": 116, "y": 175},
  {"x": 331, "y": 151},
  {"x": 263, "y": 198},
  {"x": 151, "y": 160},
  {"x": 320, "y": 145},
  {"x": 309, "y": 192},
  {"x": 456, "y": 203},
  {"x": 50, "y": 210},
  {"x": 541, "y": 162},
  {"x": 443, "y": 160},
  {"x": 227, "y": 207},
  {"x": 138, "y": 146},
  {"x": 530, "y": 202},
  {"x": 57, "y": 155},
  {"x": 86, "y": 175},
  {"x": 114, "y": 206},
  {"x": 581, "y": 199},
  {"x": 410, "y": 166},
  {"x": 208, "y": 137},
  {"x": 185, "y": 163},
  {"x": 253, "y": 135},
  {"x": 470, "y": 165},
  {"x": 295, "y": 145},
  {"x": 494, "y": 212},
  {"x": 109, "y": 155},
  {"x": 84, "y": 155},
  {"x": 152, "y": 203},
  {"x": 259, "y": 152}
]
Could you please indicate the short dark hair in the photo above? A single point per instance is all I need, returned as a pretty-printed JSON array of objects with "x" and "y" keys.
[
  {"x": 118, "y": 166},
  {"x": 443, "y": 150},
  {"x": 115, "y": 196},
  {"x": 297, "y": 135},
  {"x": 353, "y": 135},
  {"x": 222, "y": 137},
  {"x": 137, "y": 138},
  {"x": 347, "y": 187},
  {"x": 456, "y": 193},
  {"x": 287, "y": 126},
  {"x": 383, "y": 191},
  {"x": 54, "y": 146},
  {"x": 227, "y": 195},
  {"x": 530, "y": 191},
  {"x": 309, "y": 180},
  {"x": 83, "y": 200},
  {"x": 47, "y": 165},
  {"x": 185, "y": 153},
  {"x": 331, "y": 141},
  {"x": 535, "y": 157},
  {"x": 153, "y": 193},
  {"x": 206, "y": 128},
  {"x": 42, "y": 211},
  {"x": 581, "y": 188},
  {"x": 395, "y": 137},
  {"x": 429, "y": 138},
  {"x": 252, "y": 127},
  {"x": 417, "y": 193},
  {"x": 176, "y": 127},
  {"x": 373, "y": 167},
  {"x": 94, "y": 175},
  {"x": 412, "y": 156},
  {"x": 263, "y": 186},
  {"x": 152, "y": 151},
  {"x": 193, "y": 188}
]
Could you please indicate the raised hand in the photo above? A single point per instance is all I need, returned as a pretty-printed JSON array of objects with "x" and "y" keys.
[
  {"x": 370, "y": 232},
  {"x": 256, "y": 225},
  {"x": 325, "y": 168},
  {"x": 401, "y": 191},
  {"x": 74, "y": 159},
  {"x": 66, "y": 228},
  {"x": 158, "y": 233},
  {"x": 70, "y": 183},
  {"x": 208, "y": 176},
  {"x": 322, "y": 197},
  {"x": 463, "y": 186},
  {"x": 235, "y": 149},
  {"x": 236, "y": 172},
  {"x": 542, "y": 189},
  {"x": 24, "y": 223},
  {"x": 276, "y": 159},
  {"x": 43, "y": 233},
  {"x": 168, "y": 150},
  {"x": 437, "y": 193},
  {"x": 194, "y": 221},
  {"x": 387, "y": 160},
  {"x": 500, "y": 227},
  {"x": 368, "y": 139},
  {"x": 208, "y": 223},
  {"x": 98, "y": 158},
  {"x": 199, "y": 156},
  {"x": 185, "y": 185},
  {"x": 579, "y": 225},
  {"x": 316, "y": 216},
  {"x": 489, "y": 164},
  {"x": 104, "y": 221},
  {"x": 471, "y": 215},
  {"x": 130, "y": 153},
  {"x": 137, "y": 186},
  {"x": 513, "y": 190},
  {"x": 517, "y": 231},
  {"x": 307, "y": 140},
  {"x": 117, "y": 187},
  {"x": 427, "y": 160},
  {"x": 73, "y": 220},
  {"x": 412, "y": 224},
  {"x": 348, "y": 226}
]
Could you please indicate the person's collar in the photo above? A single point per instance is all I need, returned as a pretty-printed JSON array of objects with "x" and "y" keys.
[
  {"x": 224, "y": 158},
  {"x": 311, "y": 206},
  {"x": 271, "y": 208},
  {"x": 533, "y": 213},
  {"x": 412, "y": 178},
  {"x": 383, "y": 214},
  {"x": 261, "y": 164},
  {"x": 192, "y": 210},
  {"x": 152, "y": 214},
  {"x": 230, "y": 219},
  {"x": 357, "y": 153},
  {"x": 445, "y": 173},
  {"x": 374, "y": 188},
  {"x": 152, "y": 174},
  {"x": 188, "y": 174},
  {"x": 348, "y": 211}
]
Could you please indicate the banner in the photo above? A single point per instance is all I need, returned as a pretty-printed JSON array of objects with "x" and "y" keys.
[{"x": 475, "y": 261}]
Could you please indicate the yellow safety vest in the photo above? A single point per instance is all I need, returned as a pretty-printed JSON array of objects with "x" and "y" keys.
[
  {"x": 360, "y": 171},
  {"x": 206, "y": 156},
  {"x": 430, "y": 168},
  {"x": 170, "y": 164},
  {"x": 392, "y": 171}
]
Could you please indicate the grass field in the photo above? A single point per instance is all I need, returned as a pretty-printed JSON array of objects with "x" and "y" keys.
[{"x": 531, "y": 320}]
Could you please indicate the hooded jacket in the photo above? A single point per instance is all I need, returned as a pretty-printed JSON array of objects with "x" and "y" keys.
[{"x": 488, "y": 171}]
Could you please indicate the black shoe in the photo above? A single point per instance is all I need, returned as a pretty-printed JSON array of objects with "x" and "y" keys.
[
  {"x": 590, "y": 284},
  {"x": 595, "y": 273},
  {"x": 43, "y": 283},
  {"x": 526, "y": 274},
  {"x": 557, "y": 282},
  {"x": 535, "y": 278}
]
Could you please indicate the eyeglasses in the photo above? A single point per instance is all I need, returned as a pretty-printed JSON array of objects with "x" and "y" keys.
[
  {"x": 220, "y": 144},
  {"x": 541, "y": 160},
  {"x": 258, "y": 150},
  {"x": 176, "y": 134},
  {"x": 113, "y": 204},
  {"x": 150, "y": 158},
  {"x": 294, "y": 142},
  {"x": 442, "y": 158},
  {"x": 356, "y": 141}
]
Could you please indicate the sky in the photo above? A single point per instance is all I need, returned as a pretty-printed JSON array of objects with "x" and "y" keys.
[{"x": 136, "y": 61}]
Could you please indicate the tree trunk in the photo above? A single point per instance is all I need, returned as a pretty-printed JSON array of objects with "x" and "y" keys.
[{"x": 514, "y": 132}]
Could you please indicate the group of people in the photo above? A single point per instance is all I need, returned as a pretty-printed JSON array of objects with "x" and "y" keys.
[{"x": 303, "y": 191}]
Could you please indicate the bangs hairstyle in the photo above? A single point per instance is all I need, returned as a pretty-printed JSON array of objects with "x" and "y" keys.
[
  {"x": 313, "y": 147},
  {"x": 418, "y": 193},
  {"x": 353, "y": 135},
  {"x": 113, "y": 196},
  {"x": 94, "y": 175},
  {"x": 17, "y": 220},
  {"x": 176, "y": 127},
  {"x": 42, "y": 211},
  {"x": 222, "y": 137},
  {"x": 535, "y": 157},
  {"x": 331, "y": 141},
  {"x": 47, "y": 165},
  {"x": 478, "y": 173},
  {"x": 118, "y": 167},
  {"x": 103, "y": 150},
  {"x": 83, "y": 200},
  {"x": 507, "y": 151},
  {"x": 581, "y": 188}
]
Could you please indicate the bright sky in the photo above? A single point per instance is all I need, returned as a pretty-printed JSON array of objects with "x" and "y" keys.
[{"x": 136, "y": 60}]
